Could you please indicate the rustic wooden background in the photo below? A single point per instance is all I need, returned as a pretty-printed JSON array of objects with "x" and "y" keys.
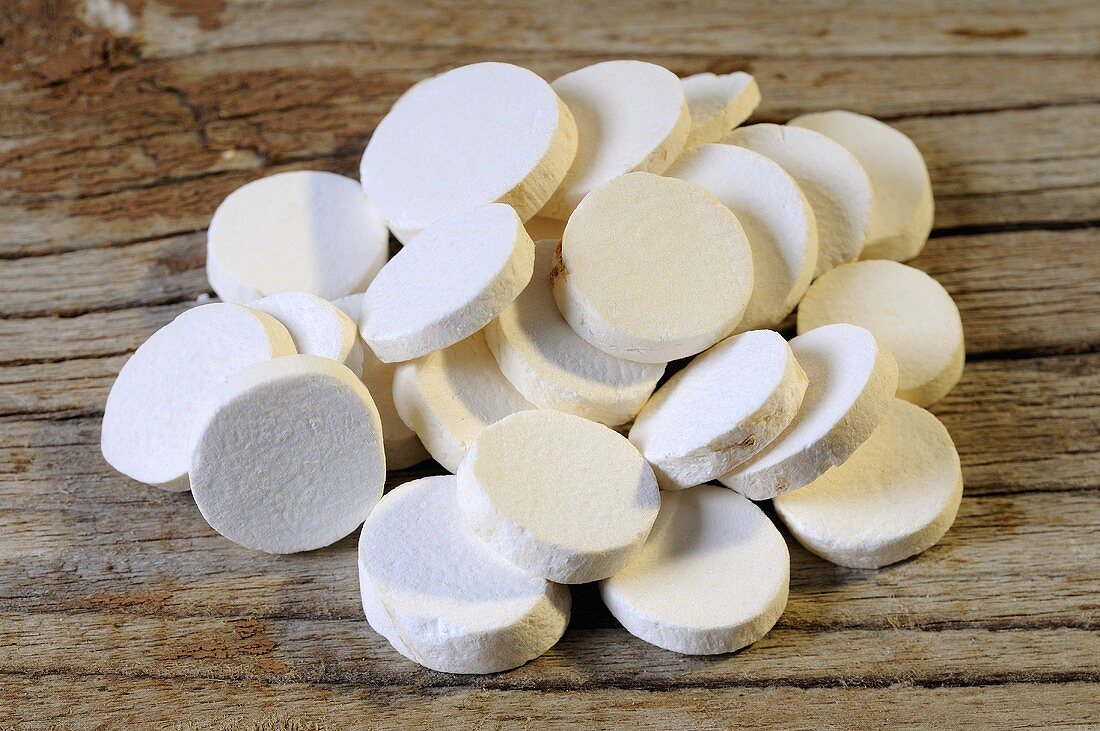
[{"x": 124, "y": 123}]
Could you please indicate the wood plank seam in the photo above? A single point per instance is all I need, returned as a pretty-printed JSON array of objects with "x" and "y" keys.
[
  {"x": 11, "y": 604},
  {"x": 664, "y": 685}
]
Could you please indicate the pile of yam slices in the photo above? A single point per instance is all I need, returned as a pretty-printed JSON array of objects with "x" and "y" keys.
[{"x": 582, "y": 326}]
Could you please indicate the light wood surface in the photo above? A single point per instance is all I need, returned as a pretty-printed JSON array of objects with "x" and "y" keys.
[{"x": 124, "y": 122}]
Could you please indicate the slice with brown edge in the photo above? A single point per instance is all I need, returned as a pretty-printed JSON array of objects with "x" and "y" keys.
[
  {"x": 852, "y": 379},
  {"x": 553, "y": 367},
  {"x": 725, "y": 406}
]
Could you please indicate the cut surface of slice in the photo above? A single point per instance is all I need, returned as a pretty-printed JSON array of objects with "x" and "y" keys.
[
  {"x": 830, "y": 177},
  {"x": 653, "y": 269},
  {"x": 441, "y": 597},
  {"x": 152, "y": 403},
  {"x": 302, "y": 230},
  {"x": 630, "y": 115},
  {"x": 450, "y": 396},
  {"x": 478, "y": 134},
  {"x": 447, "y": 283},
  {"x": 718, "y": 103},
  {"x": 778, "y": 222},
  {"x": 317, "y": 327},
  {"x": 288, "y": 455},
  {"x": 895, "y": 497},
  {"x": 559, "y": 496},
  {"x": 553, "y": 367},
  {"x": 712, "y": 577},
  {"x": 725, "y": 406},
  {"x": 903, "y": 209}
]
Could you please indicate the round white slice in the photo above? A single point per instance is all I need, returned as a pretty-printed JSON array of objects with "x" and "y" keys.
[
  {"x": 631, "y": 116},
  {"x": 447, "y": 283},
  {"x": 559, "y": 496},
  {"x": 777, "y": 219},
  {"x": 852, "y": 378},
  {"x": 553, "y": 367},
  {"x": 909, "y": 311},
  {"x": 540, "y": 227},
  {"x": 831, "y": 178},
  {"x": 317, "y": 327},
  {"x": 288, "y": 455},
  {"x": 153, "y": 401},
  {"x": 724, "y": 407},
  {"x": 902, "y": 210},
  {"x": 478, "y": 134},
  {"x": 441, "y": 596},
  {"x": 303, "y": 230},
  {"x": 653, "y": 269},
  {"x": 450, "y": 396},
  {"x": 402, "y": 446},
  {"x": 718, "y": 103},
  {"x": 712, "y": 577},
  {"x": 895, "y": 497}
]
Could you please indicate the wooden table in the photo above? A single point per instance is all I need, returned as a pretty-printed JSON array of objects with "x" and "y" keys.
[{"x": 123, "y": 124}]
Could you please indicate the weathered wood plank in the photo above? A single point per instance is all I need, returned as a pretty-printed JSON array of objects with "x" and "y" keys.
[
  {"x": 63, "y": 40},
  {"x": 1010, "y": 166},
  {"x": 62, "y": 390},
  {"x": 1026, "y": 424},
  {"x": 819, "y": 28},
  {"x": 1012, "y": 561},
  {"x": 150, "y": 151},
  {"x": 95, "y": 335},
  {"x": 219, "y": 88},
  {"x": 172, "y": 104},
  {"x": 348, "y": 652},
  {"x": 40, "y": 701},
  {"x": 1011, "y": 288},
  {"x": 87, "y": 280}
]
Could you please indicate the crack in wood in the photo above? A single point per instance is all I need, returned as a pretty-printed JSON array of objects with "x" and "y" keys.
[{"x": 430, "y": 680}]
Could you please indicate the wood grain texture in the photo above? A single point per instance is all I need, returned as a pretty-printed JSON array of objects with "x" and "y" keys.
[
  {"x": 822, "y": 28},
  {"x": 245, "y": 706},
  {"x": 123, "y": 123},
  {"x": 347, "y": 653}
]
